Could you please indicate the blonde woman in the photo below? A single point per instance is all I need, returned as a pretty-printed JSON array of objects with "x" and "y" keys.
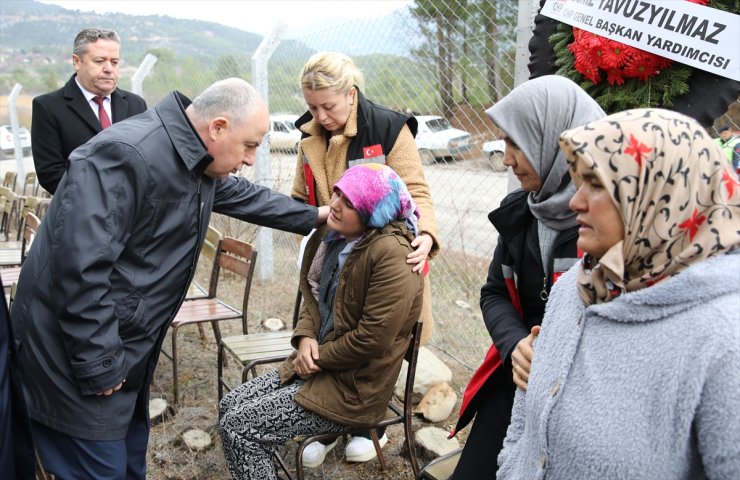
[{"x": 341, "y": 129}]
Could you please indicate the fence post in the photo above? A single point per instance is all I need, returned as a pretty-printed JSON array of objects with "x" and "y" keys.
[
  {"x": 262, "y": 166},
  {"x": 137, "y": 79},
  {"x": 15, "y": 126},
  {"x": 525, "y": 26}
]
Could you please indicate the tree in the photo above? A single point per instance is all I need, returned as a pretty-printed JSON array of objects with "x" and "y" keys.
[
  {"x": 439, "y": 22},
  {"x": 227, "y": 67},
  {"x": 50, "y": 79}
]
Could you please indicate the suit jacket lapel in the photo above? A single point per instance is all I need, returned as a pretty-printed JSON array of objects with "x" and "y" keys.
[{"x": 77, "y": 103}]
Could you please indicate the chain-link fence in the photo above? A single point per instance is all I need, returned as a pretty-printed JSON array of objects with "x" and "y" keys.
[
  {"x": 448, "y": 59},
  {"x": 443, "y": 59}
]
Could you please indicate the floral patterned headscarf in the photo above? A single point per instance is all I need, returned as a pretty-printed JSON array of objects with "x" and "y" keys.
[
  {"x": 379, "y": 196},
  {"x": 678, "y": 197}
]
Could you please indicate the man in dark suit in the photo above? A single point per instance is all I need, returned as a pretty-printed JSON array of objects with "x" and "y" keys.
[{"x": 66, "y": 118}]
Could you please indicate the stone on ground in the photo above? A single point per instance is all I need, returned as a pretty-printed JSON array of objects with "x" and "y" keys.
[
  {"x": 273, "y": 324},
  {"x": 438, "y": 403},
  {"x": 158, "y": 410},
  {"x": 433, "y": 442},
  {"x": 197, "y": 439},
  {"x": 430, "y": 371}
]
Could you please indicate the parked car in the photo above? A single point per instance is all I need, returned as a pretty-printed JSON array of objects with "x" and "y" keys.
[
  {"x": 494, "y": 152},
  {"x": 437, "y": 139},
  {"x": 284, "y": 136},
  {"x": 7, "y": 141}
]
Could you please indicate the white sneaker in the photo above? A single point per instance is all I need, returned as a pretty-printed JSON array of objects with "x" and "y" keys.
[
  {"x": 315, "y": 452},
  {"x": 361, "y": 449}
]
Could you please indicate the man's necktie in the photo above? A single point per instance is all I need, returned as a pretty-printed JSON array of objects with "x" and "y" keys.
[{"x": 102, "y": 114}]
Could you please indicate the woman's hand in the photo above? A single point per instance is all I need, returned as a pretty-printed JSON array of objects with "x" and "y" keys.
[
  {"x": 423, "y": 244},
  {"x": 521, "y": 358},
  {"x": 305, "y": 361}
]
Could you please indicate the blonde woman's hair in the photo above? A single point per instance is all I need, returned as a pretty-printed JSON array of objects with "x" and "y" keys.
[{"x": 331, "y": 70}]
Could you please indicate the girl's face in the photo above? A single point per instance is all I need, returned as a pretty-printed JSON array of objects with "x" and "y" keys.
[
  {"x": 329, "y": 107},
  {"x": 524, "y": 171},
  {"x": 343, "y": 218},
  {"x": 601, "y": 222}
]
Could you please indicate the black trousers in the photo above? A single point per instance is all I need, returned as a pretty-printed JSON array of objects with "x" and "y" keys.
[{"x": 494, "y": 403}]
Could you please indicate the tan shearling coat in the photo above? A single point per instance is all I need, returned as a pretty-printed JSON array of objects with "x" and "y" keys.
[{"x": 329, "y": 163}]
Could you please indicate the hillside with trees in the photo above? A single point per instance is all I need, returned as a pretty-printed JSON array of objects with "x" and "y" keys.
[{"x": 429, "y": 57}]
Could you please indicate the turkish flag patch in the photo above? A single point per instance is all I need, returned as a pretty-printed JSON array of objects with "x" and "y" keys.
[{"x": 372, "y": 151}]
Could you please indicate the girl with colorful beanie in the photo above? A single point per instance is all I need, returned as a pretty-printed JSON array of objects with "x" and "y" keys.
[{"x": 361, "y": 302}]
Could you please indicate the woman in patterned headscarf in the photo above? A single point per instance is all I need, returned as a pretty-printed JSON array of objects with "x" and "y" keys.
[
  {"x": 637, "y": 367},
  {"x": 360, "y": 303}
]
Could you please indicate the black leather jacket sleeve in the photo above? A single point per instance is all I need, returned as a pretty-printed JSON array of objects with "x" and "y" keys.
[{"x": 239, "y": 198}]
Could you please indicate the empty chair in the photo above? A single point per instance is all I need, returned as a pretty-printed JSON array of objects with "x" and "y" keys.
[
  {"x": 234, "y": 256},
  {"x": 208, "y": 252},
  {"x": 30, "y": 182},
  {"x": 34, "y": 205},
  {"x": 8, "y": 201},
  {"x": 10, "y": 180},
  {"x": 442, "y": 467},
  {"x": 30, "y": 227},
  {"x": 255, "y": 349}
]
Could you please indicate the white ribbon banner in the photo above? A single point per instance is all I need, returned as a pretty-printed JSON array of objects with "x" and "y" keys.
[{"x": 699, "y": 36}]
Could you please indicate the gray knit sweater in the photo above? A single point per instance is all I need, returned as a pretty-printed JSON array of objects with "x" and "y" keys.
[{"x": 644, "y": 387}]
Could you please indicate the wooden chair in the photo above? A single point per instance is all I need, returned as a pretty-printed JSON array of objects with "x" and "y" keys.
[
  {"x": 29, "y": 205},
  {"x": 400, "y": 414},
  {"x": 254, "y": 349},
  {"x": 10, "y": 180},
  {"x": 208, "y": 252},
  {"x": 30, "y": 227},
  {"x": 30, "y": 181},
  {"x": 8, "y": 201},
  {"x": 234, "y": 256},
  {"x": 441, "y": 468}
]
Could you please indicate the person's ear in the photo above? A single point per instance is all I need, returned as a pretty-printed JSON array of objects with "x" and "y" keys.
[
  {"x": 352, "y": 94},
  {"x": 76, "y": 61},
  {"x": 218, "y": 127}
]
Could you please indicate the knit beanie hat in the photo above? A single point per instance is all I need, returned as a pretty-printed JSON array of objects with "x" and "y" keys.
[{"x": 379, "y": 196}]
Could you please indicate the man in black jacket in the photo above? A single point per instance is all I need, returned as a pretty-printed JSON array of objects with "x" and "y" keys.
[
  {"x": 112, "y": 261},
  {"x": 66, "y": 118}
]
